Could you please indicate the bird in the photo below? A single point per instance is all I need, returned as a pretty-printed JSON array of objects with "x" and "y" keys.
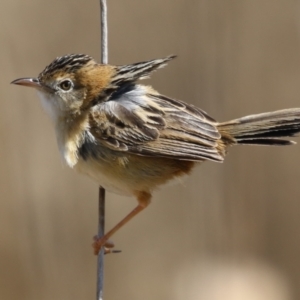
[{"x": 131, "y": 139}]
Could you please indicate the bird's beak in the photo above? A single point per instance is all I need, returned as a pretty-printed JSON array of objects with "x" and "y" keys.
[{"x": 31, "y": 82}]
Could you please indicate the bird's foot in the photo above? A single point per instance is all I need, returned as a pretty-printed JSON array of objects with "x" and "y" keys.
[{"x": 103, "y": 242}]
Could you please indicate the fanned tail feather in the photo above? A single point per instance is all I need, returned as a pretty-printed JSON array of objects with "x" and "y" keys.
[{"x": 262, "y": 129}]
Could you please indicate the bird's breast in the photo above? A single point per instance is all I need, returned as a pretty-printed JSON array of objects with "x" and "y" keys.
[{"x": 70, "y": 135}]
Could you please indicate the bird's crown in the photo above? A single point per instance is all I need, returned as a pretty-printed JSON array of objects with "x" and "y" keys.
[{"x": 66, "y": 64}]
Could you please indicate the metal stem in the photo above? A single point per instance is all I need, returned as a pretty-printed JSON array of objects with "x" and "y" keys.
[
  {"x": 104, "y": 47},
  {"x": 100, "y": 260}
]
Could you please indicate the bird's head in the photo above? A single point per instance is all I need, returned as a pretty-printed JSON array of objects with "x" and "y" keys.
[{"x": 69, "y": 84}]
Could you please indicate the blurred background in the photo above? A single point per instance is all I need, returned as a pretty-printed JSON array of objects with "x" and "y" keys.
[{"x": 230, "y": 231}]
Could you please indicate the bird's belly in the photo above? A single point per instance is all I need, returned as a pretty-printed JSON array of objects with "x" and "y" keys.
[
  {"x": 130, "y": 173},
  {"x": 97, "y": 171}
]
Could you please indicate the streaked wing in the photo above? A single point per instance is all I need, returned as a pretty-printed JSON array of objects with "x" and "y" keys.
[{"x": 153, "y": 125}]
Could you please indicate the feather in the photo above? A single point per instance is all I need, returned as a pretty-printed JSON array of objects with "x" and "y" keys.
[
  {"x": 146, "y": 123},
  {"x": 140, "y": 70},
  {"x": 263, "y": 129}
]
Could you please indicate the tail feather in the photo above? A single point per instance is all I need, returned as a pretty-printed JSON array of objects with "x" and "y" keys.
[{"x": 263, "y": 129}]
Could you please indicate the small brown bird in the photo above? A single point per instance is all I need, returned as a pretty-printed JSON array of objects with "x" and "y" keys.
[{"x": 131, "y": 139}]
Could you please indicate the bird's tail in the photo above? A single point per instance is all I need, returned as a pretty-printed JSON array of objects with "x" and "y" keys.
[{"x": 262, "y": 129}]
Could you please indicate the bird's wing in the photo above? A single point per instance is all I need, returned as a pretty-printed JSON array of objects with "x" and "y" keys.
[{"x": 149, "y": 124}]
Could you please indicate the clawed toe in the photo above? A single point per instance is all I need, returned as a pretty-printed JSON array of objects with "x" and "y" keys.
[{"x": 102, "y": 242}]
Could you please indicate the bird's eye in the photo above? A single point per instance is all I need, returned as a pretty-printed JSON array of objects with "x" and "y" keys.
[{"x": 66, "y": 85}]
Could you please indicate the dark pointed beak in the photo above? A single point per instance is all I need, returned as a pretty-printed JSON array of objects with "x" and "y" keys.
[{"x": 31, "y": 82}]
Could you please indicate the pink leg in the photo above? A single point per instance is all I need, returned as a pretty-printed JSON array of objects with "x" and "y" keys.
[{"x": 144, "y": 200}]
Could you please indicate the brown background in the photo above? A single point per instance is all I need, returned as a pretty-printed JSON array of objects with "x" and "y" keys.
[{"x": 230, "y": 231}]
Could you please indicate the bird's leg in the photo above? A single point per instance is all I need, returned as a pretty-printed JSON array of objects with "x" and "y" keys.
[{"x": 143, "y": 200}]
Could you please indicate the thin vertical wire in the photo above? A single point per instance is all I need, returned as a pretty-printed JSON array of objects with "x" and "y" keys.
[
  {"x": 101, "y": 201},
  {"x": 104, "y": 47},
  {"x": 100, "y": 259}
]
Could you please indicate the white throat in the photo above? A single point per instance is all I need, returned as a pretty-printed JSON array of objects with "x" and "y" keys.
[{"x": 69, "y": 133}]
